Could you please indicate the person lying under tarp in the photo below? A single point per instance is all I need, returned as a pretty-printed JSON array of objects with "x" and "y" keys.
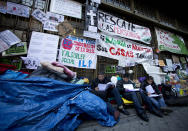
[
  {"x": 131, "y": 95},
  {"x": 39, "y": 103},
  {"x": 155, "y": 95}
]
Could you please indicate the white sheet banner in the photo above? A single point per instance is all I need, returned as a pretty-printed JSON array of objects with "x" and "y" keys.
[
  {"x": 123, "y": 50},
  {"x": 78, "y": 52},
  {"x": 116, "y": 26}
]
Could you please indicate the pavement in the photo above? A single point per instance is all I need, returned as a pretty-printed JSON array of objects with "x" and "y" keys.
[{"x": 175, "y": 121}]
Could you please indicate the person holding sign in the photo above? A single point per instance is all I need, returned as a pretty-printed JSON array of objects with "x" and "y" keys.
[
  {"x": 104, "y": 88},
  {"x": 126, "y": 89},
  {"x": 155, "y": 95}
]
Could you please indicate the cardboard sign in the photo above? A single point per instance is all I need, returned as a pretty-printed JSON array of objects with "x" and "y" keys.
[
  {"x": 125, "y": 51},
  {"x": 168, "y": 41},
  {"x": 17, "y": 9},
  {"x": 78, "y": 52},
  {"x": 18, "y": 49},
  {"x": 119, "y": 27},
  {"x": 43, "y": 46},
  {"x": 66, "y": 7},
  {"x": 65, "y": 29}
]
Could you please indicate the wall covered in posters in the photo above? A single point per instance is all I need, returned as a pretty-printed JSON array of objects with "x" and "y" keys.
[
  {"x": 168, "y": 41},
  {"x": 78, "y": 52},
  {"x": 116, "y": 26},
  {"x": 122, "y": 49}
]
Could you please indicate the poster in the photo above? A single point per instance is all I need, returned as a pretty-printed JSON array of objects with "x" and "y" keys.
[
  {"x": 39, "y": 4},
  {"x": 119, "y": 27},
  {"x": 3, "y": 7},
  {"x": 110, "y": 69},
  {"x": 123, "y": 50},
  {"x": 18, "y": 49},
  {"x": 17, "y": 9},
  {"x": 43, "y": 46},
  {"x": 12, "y": 61},
  {"x": 7, "y": 39},
  {"x": 175, "y": 59},
  {"x": 39, "y": 15},
  {"x": 161, "y": 63},
  {"x": 168, "y": 41},
  {"x": 78, "y": 52},
  {"x": 66, "y": 7},
  {"x": 31, "y": 62}
]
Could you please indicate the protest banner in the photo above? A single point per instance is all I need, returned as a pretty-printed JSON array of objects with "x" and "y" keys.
[
  {"x": 18, "y": 49},
  {"x": 17, "y": 9},
  {"x": 168, "y": 41},
  {"x": 119, "y": 27},
  {"x": 66, "y": 7},
  {"x": 123, "y": 50},
  {"x": 43, "y": 46},
  {"x": 78, "y": 52}
]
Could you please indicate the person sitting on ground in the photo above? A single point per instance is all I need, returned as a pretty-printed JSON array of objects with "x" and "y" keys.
[
  {"x": 109, "y": 92},
  {"x": 131, "y": 95},
  {"x": 155, "y": 95}
]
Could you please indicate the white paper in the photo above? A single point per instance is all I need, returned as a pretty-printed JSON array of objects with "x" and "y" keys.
[
  {"x": 17, "y": 9},
  {"x": 39, "y": 4},
  {"x": 96, "y": 1},
  {"x": 43, "y": 46},
  {"x": 54, "y": 17},
  {"x": 51, "y": 26},
  {"x": 153, "y": 95},
  {"x": 102, "y": 87},
  {"x": 92, "y": 29},
  {"x": 39, "y": 15},
  {"x": 129, "y": 87},
  {"x": 66, "y": 7},
  {"x": 149, "y": 89},
  {"x": 7, "y": 39},
  {"x": 31, "y": 62}
]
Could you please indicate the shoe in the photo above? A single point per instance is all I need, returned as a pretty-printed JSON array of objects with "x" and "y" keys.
[
  {"x": 144, "y": 117},
  {"x": 116, "y": 115},
  {"x": 157, "y": 113},
  {"x": 165, "y": 109},
  {"x": 125, "y": 112}
]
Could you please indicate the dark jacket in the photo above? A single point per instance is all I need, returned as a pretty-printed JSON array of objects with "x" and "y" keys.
[
  {"x": 97, "y": 81},
  {"x": 120, "y": 84},
  {"x": 155, "y": 88}
]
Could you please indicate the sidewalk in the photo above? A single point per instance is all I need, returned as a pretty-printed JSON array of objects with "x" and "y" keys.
[{"x": 176, "y": 121}]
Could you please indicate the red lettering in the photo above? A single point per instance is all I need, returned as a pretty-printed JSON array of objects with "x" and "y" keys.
[{"x": 112, "y": 48}]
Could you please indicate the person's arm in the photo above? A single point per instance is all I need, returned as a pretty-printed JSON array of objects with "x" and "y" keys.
[
  {"x": 94, "y": 84},
  {"x": 119, "y": 86},
  {"x": 156, "y": 88}
]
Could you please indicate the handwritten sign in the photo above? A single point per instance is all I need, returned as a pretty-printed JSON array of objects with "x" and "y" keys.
[
  {"x": 66, "y": 7},
  {"x": 78, "y": 52},
  {"x": 168, "y": 41},
  {"x": 17, "y": 9},
  {"x": 39, "y": 15},
  {"x": 123, "y": 50},
  {"x": 43, "y": 46},
  {"x": 7, "y": 39},
  {"x": 54, "y": 17},
  {"x": 51, "y": 26},
  {"x": 119, "y": 27}
]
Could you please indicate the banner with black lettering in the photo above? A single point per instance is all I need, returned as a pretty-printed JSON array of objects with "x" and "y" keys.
[
  {"x": 127, "y": 52},
  {"x": 119, "y": 27}
]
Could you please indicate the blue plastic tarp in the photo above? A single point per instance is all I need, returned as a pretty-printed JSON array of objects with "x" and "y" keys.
[{"x": 45, "y": 104}]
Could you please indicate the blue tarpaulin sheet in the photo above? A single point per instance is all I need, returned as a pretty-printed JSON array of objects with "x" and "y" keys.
[{"x": 45, "y": 104}]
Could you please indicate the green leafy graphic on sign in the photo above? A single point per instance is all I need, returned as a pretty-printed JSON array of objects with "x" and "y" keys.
[{"x": 180, "y": 43}]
